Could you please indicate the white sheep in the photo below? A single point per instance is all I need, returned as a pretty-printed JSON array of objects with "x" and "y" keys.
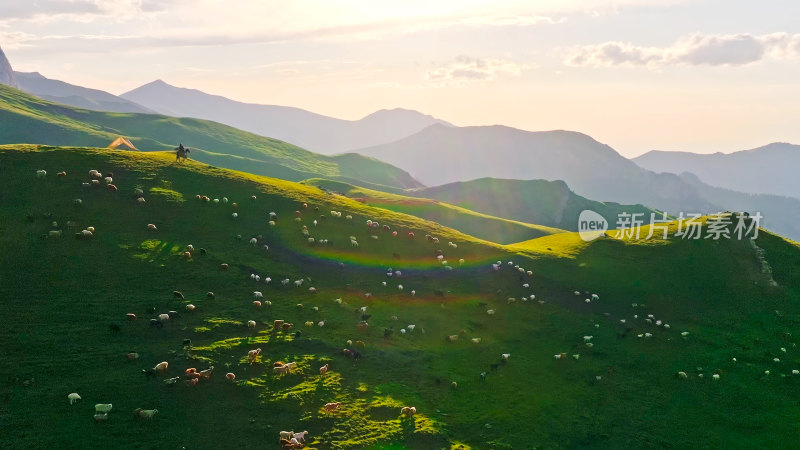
[
  {"x": 103, "y": 408},
  {"x": 253, "y": 242},
  {"x": 257, "y": 295},
  {"x": 73, "y": 397},
  {"x": 235, "y": 215},
  {"x": 490, "y": 312},
  {"x": 41, "y": 173},
  {"x": 411, "y": 327},
  {"x": 286, "y": 434}
]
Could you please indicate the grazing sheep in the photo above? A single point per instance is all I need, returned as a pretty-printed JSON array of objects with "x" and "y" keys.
[
  {"x": 301, "y": 436},
  {"x": 321, "y": 323},
  {"x": 253, "y": 354},
  {"x": 323, "y": 370},
  {"x": 681, "y": 375},
  {"x": 257, "y": 304},
  {"x": 130, "y": 316},
  {"x": 235, "y": 215},
  {"x": 490, "y": 312},
  {"x": 251, "y": 324},
  {"x": 223, "y": 266},
  {"x": 151, "y": 227},
  {"x": 161, "y": 367},
  {"x": 476, "y": 340},
  {"x": 132, "y": 356},
  {"x": 286, "y": 434},
  {"x": 309, "y": 323},
  {"x": 54, "y": 233},
  {"x": 163, "y": 317},
  {"x": 73, "y": 397},
  {"x": 145, "y": 413},
  {"x": 190, "y": 307},
  {"x": 408, "y": 411},
  {"x": 100, "y": 417},
  {"x": 330, "y": 407},
  {"x": 102, "y": 408},
  {"x": 253, "y": 242},
  {"x": 41, "y": 173},
  {"x": 230, "y": 376},
  {"x": 452, "y": 338},
  {"x": 505, "y": 356}
]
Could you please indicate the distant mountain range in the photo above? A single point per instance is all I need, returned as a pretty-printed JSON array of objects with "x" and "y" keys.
[
  {"x": 72, "y": 95},
  {"x": 28, "y": 119},
  {"x": 772, "y": 169},
  {"x": 315, "y": 132},
  {"x": 440, "y": 155}
]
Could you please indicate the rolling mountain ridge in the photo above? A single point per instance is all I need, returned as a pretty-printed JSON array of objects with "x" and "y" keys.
[{"x": 315, "y": 132}]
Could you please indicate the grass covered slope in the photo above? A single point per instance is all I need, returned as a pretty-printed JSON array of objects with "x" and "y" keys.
[
  {"x": 59, "y": 296},
  {"x": 27, "y": 119},
  {"x": 496, "y": 229},
  {"x": 548, "y": 203}
]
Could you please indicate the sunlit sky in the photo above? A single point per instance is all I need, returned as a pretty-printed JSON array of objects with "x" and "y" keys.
[{"x": 702, "y": 76}]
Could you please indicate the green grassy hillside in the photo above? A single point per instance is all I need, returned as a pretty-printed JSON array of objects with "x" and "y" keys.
[
  {"x": 496, "y": 229},
  {"x": 549, "y": 203},
  {"x": 27, "y": 119},
  {"x": 60, "y": 296}
]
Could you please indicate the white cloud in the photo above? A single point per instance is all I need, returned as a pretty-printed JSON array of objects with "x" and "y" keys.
[
  {"x": 466, "y": 70},
  {"x": 693, "y": 50}
]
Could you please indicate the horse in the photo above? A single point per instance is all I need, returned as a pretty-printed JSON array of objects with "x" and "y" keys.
[{"x": 181, "y": 152}]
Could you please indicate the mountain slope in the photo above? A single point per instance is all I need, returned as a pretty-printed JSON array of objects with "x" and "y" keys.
[
  {"x": 771, "y": 169},
  {"x": 549, "y": 203},
  {"x": 27, "y": 119},
  {"x": 608, "y": 393},
  {"x": 69, "y": 94},
  {"x": 440, "y": 155},
  {"x": 312, "y": 131},
  {"x": 490, "y": 228},
  {"x": 7, "y": 76}
]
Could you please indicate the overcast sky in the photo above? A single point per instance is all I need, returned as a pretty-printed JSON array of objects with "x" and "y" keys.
[{"x": 703, "y": 75}]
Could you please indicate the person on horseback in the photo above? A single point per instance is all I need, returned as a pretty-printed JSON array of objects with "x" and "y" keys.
[{"x": 181, "y": 152}]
